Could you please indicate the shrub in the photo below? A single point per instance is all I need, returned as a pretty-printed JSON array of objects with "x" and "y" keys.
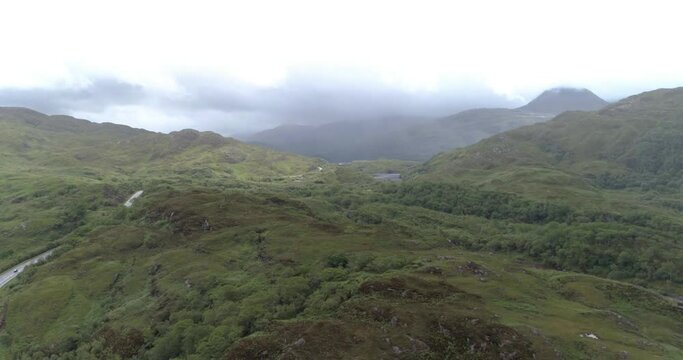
[{"x": 337, "y": 260}]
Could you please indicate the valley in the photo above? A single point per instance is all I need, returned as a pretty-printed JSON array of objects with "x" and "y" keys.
[
  {"x": 417, "y": 138},
  {"x": 558, "y": 240}
]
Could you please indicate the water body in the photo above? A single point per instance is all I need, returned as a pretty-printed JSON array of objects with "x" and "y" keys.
[{"x": 387, "y": 177}]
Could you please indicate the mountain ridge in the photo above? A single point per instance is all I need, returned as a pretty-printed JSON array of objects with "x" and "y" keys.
[
  {"x": 632, "y": 143},
  {"x": 419, "y": 140}
]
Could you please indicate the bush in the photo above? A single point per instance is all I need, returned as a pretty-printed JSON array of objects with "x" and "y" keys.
[
  {"x": 386, "y": 263},
  {"x": 337, "y": 260},
  {"x": 71, "y": 218},
  {"x": 218, "y": 341},
  {"x": 334, "y": 274}
]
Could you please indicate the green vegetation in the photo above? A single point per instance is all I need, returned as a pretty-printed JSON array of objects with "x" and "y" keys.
[
  {"x": 382, "y": 166},
  {"x": 501, "y": 250}
]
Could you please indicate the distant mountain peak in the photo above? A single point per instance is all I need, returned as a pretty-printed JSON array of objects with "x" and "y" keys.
[
  {"x": 566, "y": 89},
  {"x": 561, "y": 99}
]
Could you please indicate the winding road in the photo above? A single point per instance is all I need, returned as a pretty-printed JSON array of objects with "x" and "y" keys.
[
  {"x": 10, "y": 274},
  {"x": 15, "y": 270}
]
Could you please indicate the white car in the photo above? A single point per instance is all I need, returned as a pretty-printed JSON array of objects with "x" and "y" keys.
[{"x": 16, "y": 270}]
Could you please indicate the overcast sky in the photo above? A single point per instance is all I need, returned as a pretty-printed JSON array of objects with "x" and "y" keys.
[{"x": 235, "y": 67}]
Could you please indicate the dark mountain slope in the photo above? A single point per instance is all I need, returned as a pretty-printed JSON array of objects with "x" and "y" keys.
[
  {"x": 559, "y": 100},
  {"x": 470, "y": 126},
  {"x": 419, "y": 140},
  {"x": 339, "y": 141}
]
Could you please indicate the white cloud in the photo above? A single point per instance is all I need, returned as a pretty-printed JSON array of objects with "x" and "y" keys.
[
  {"x": 138, "y": 116},
  {"x": 517, "y": 48}
]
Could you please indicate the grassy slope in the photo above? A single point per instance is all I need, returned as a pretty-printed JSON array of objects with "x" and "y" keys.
[
  {"x": 622, "y": 157},
  {"x": 235, "y": 252},
  {"x": 623, "y": 160},
  {"x": 265, "y": 265},
  {"x": 638, "y": 135},
  {"x": 57, "y": 167}
]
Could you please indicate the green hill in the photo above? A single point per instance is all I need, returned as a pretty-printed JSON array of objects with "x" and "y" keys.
[
  {"x": 636, "y": 142},
  {"x": 56, "y": 167},
  {"x": 42, "y": 141},
  {"x": 239, "y": 252},
  {"x": 618, "y": 165}
]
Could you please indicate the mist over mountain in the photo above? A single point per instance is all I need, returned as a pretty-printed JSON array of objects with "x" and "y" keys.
[
  {"x": 338, "y": 141},
  {"x": 419, "y": 138},
  {"x": 231, "y": 107}
]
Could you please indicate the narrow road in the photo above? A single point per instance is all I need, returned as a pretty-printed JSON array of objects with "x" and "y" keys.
[
  {"x": 130, "y": 201},
  {"x": 10, "y": 274}
]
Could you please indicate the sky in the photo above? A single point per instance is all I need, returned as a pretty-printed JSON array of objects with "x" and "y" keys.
[{"x": 241, "y": 66}]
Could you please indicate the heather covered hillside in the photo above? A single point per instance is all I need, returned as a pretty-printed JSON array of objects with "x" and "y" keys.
[
  {"x": 238, "y": 252},
  {"x": 341, "y": 180}
]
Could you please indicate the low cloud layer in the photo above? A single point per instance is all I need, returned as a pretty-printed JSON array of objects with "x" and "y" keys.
[
  {"x": 231, "y": 107},
  {"x": 94, "y": 97}
]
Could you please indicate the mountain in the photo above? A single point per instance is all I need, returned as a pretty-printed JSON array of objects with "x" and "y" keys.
[
  {"x": 624, "y": 160},
  {"x": 420, "y": 142},
  {"x": 40, "y": 142},
  {"x": 43, "y": 155},
  {"x": 633, "y": 142},
  {"x": 340, "y": 141},
  {"x": 234, "y": 251},
  {"x": 419, "y": 139},
  {"x": 559, "y": 100}
]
